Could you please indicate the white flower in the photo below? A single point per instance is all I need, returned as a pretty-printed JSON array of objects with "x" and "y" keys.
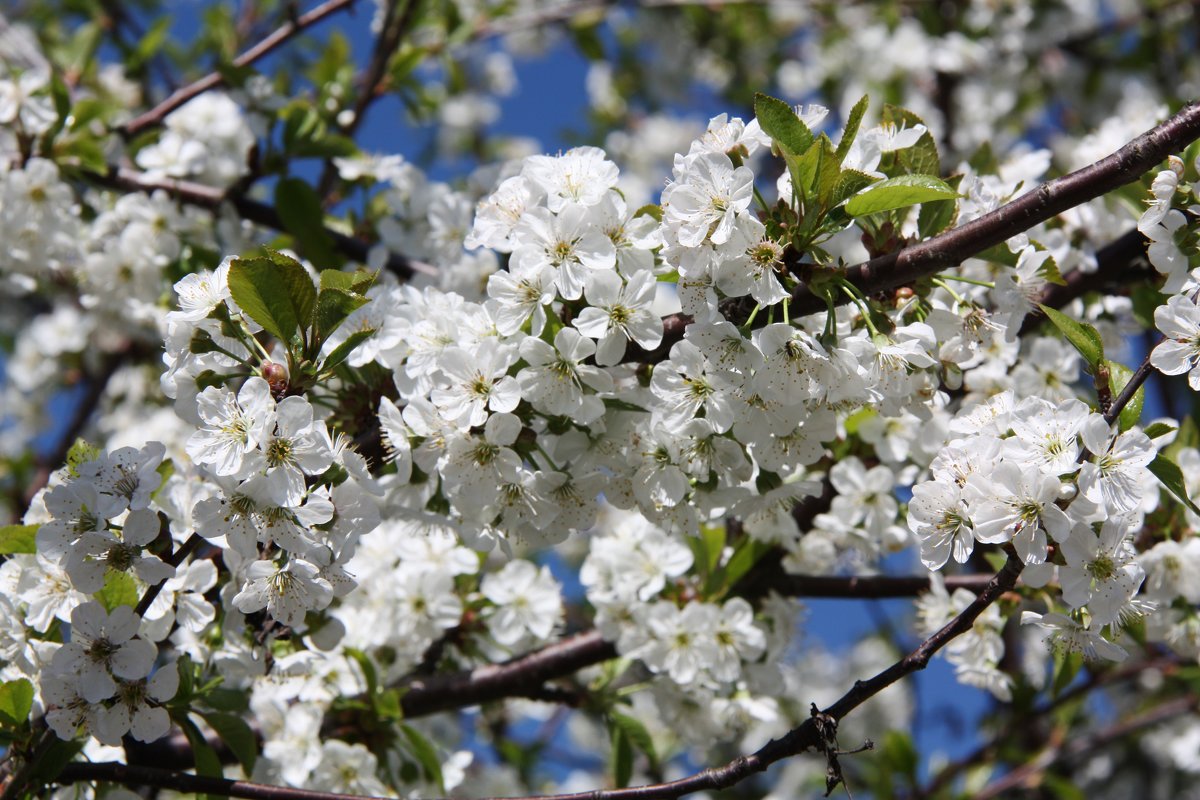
[
  {"x": 705, "y": 199},
  {"x": 570, "y": 242},
  {"x": 555, "y": 377},
  {"x": 287, "y": 592},
  {"x": 1066, "y": 635},
  {"x": 1102, "y": 571},
  {"x": 941, "y": 520},
  {"x": 478, "y": 382},
  {"x": 681, "y": 641},
  {"x": 137, "y": 709},
  {"x": 99, "y": 551},
  {"x": 201, "y": 292},
  {"x": 1017, "y": 505},
  {"x": 1172, "y": 570},
  {"x": 685, "y": 385},
  {"x": 1113, "y": 476},
  {"x": 617, "y": 313},
  {"x": 518, "y": 298},
  {"x": 582, "y": 176},
  {"x": 297, "y": 447},
  {"x": 103, "y": 646},
  {"x": 737, "y": 639},
  {"x": 1179, "y": 321},
  {"x": 234, "y": 426},
  {"x": 528, "y": 600}
]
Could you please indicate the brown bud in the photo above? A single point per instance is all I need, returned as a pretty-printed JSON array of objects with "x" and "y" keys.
[{"x": 276, "y": 377}]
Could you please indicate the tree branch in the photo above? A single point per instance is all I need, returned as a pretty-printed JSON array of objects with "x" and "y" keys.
[
  {"x": 1025, "y": 774},
  {"x": 951, "y": 248},
  {"x": 804, "y": 737},
  {"x": 155, "y": 116},
  {"x": 198, "y": 194}
]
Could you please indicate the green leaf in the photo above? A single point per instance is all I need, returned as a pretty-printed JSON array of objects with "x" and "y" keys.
[
  {"x": 81, "y": 452},
  {"x": 234, "y": 732},
  {"x": 1145, "y": 299},
  {"x": 622, "y": 752},
  {"x": 779, "y": 121},
  {"x": 899, "y": 753},
  {"x": 1157, "y": 429},
  {"x": 938, "y": 215},
  {"x": 920, "y": 159},
  {"x": 205, "y": 758},
  {"x": 18, "y": 539},
  {"x": 388, "y": 704},
  {"x": 827, "y": 174},
  {"x": 120, "y": 589},
  {"x": 1132, "y": 412},
  {"x": 368, "y": 669},
  {"x": 330, "y": 145},
  {"x": 636, "y": 733},
  {"x": 852, "y": 125},
  {"x": 333, "y": 306},
  {"x": 1171, "y": 476},
  {"x": 356, "y": 282},
  {"x": 150, "y": 43},
  {"x": 16, "y": 701},
  {"x": 1085, "y": 338},
  {"x": 649, "y": 210},
  {"x": 343, "y": 350},
  {"x": 1066, "y": 667},
  {"x": 275, "y": 291},
  {"x": 56, "y": 756},
  {"x": 849, "y": 183},
  {"x": 744, "y": 557},
  {"x": 899, "y": 192},
  {"x": 303, "y": 217},
  {"x": 425, "y": 754}
]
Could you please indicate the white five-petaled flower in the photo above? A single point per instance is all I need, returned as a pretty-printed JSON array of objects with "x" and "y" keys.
[
  {"x": 555, "y": 379},
  {"x": 478, "y": 383},
  {"x": 287, "y": 592},
  {"x": 528, "y": 601},
  {"x": 617, "y": 313},
  {"x": 103, "y": 646},
  {"x": 1179, "y": 320},
  {"x": 707, "y": 196},
  {"x": 1017, "y": 504},
  {"x": 234, "y": 426}
]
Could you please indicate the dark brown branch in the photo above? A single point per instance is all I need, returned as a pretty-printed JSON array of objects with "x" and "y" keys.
[
  {"x": 1048, "y": 200},
  {"x": 198, "y": 194},
  {"x": 1078, "y": 747},
  {"x": 988, "y": 750},
  {"x": 804, "y": 737},
  {"x": 869, "y": 587},
  {"x": 951, "y": 248},
  {"x": 520, "y": 676},
  {"x": 155, "y": 116}
]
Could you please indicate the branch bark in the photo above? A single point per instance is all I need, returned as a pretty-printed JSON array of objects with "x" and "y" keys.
[
  {"x": 155, "y": 116},
  {"x": 198, "y": 194}
]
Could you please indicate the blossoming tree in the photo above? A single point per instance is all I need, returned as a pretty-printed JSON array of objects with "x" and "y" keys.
[{"x": 327, "y": 478}]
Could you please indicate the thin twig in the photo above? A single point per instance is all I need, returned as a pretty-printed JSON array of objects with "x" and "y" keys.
[
  {"x": 155, "y": 116},
  {"x": 198, "y": 194},
  {"x": 1051, "y": 755},
  {"x": 804, "y": 737}
]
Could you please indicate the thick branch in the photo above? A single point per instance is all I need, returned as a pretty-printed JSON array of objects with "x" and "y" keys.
[
  {"x": 198, "y": 194},
  {"x": 1025, "y": 774},
  {"x": 1043, "y": 203},
  {"x": 951, "y": 248},
  {"x": 802, "y": 738},
  {"x": 868, "y": 587},
  {"x": 214, "y": 79},
  {"x": 434, "y": 693}
]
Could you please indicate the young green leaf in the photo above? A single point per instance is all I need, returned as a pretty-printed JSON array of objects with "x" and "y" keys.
[
  {"x": 1171, "y": 476},
  {"x": 333, "y": 306},
  {"x": 899, "y": 192},
  {"x": 275, "y": 291},
  {"x": 622, "y": 752},
  {"x": 1082, "y": 336},
  {"x": 18, "y": 539},
  {"x": 1132, "y": 412},
  {"x": 425, "y": 754},
  {"x": 1157, "y": 429},
  {"x": 16, "y": 701},
  {"x": 120, "y": 589},
  {"x": 851, "y": 131},
  {"x": 636, "y": 733},
  {"x": 343, "y": 350},
  {"x": 779, "y": 121},
  {"x": 235, "y": 733},
  {"x": 303, "y": 217}
]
